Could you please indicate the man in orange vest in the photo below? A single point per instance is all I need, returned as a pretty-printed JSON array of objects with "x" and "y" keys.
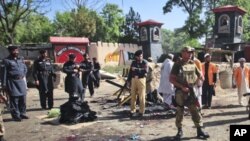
[
  {"x": 241, "y": 79},
  {"x": 209, "y": 71}
]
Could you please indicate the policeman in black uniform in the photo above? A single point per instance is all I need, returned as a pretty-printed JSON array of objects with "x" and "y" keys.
[
  {"x": 96, "y": 72},
  {"x": 13, "y": 82},
  {"x": 87, "y": 74},
  {"x": 44, "y": 75},
  {"x": 73, "y": 84}
]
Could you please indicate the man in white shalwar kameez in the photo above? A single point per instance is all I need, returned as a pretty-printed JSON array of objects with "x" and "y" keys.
[
  {"x": 241, "y": 79},
  {"x": 165, "y": 87}
]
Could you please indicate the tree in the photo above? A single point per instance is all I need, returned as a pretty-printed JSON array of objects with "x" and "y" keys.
[
  {"x": 130, "y": 29},
  {"x": 35, "y": 28},
  {"x": 194, "y": 25},
  {"x": 113, "y": 20},
  {"x": 12, "y": 11},
  {"x": 79, "y": 22},
  {"x": 167, "y": 37},
  {"x": 100, "y": 29},
  {"x": 86, "y": 3},
  {"x": 83, "y": 24},
  {"x": 173, "y": 41}
]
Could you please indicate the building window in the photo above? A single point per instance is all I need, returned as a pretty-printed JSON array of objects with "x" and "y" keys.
[
  {"x": 144, "y": 35},
  {"x": 239, "y": 25},
  {"x": 224, "y": 24},
  {"x": 156, "y": 34}
]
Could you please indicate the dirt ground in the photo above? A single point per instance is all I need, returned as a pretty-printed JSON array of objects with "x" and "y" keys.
[{"x": 113, "y": 123}]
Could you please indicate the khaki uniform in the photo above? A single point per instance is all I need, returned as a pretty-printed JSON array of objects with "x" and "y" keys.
[
  {"x": 187, "y": 74},
  {"x": 138, "y": 87},
  {"x": 2, "y": 131},
  {"x": 138, "y": 84}
]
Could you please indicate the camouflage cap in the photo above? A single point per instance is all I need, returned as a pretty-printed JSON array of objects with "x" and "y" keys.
[{"x": 187, "y": 49}]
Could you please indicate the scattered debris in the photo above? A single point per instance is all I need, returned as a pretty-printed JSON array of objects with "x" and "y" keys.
[{"x": 134, "y": 137}]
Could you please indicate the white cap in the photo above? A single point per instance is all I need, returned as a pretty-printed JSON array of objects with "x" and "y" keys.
[
  {"x": 171, "y": 56},
  {"x": 242, "y": 60},
  {"x": 206, "y": 55}
]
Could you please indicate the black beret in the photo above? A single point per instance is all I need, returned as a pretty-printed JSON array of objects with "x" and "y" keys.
[
  {"x": 138, "y": 52},
  {"x": 12, "y": 47},
  {"x": 42, "y": 51},
  {"x": 72, "y": 55}
]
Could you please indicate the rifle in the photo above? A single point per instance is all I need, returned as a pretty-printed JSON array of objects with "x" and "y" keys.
[{"x": 192, "y": 98}]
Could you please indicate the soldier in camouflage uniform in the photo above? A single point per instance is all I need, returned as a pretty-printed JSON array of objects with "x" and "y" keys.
[{"x": 184, "y": 75}]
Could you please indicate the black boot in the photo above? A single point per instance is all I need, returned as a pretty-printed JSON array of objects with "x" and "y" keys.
[
  {"x": 201, "y": 134},
  {"x": 179, "y": 134}
]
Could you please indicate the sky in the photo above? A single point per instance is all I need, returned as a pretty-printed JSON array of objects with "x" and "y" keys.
[{"x": 148, "y": 9}]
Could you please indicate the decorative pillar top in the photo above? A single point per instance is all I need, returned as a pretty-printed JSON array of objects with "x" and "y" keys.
[
  {"x": 229, "y": 8},
  {"x": 149, "y": 22}
]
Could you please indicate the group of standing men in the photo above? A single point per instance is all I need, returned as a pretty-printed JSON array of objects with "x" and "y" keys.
[
  {"x": 75, "y": 86},
  {"x": 13, "y": 79},
  {"x": 203, "y": 88},
  {"x": 177, "y": 79}
]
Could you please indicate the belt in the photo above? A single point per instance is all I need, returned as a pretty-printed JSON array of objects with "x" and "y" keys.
[
  {"x": 17, "y": 77},
  {"x": 138, "y": 77},
  {"x": 43, "y": 72},
  {"x": 74, "y": 74}
]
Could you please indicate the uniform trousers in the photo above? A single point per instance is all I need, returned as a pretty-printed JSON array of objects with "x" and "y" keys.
[
  {"x": 18, "y": 106},
  {"x": 138, "y": 88},
  {"x": 180, "y": 98}
]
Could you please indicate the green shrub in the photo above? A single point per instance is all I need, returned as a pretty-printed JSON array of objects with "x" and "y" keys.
[{"x": 113, "y": 69}]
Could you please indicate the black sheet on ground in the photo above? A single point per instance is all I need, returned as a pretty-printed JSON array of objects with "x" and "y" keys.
[{"x": 73, "y": 112}]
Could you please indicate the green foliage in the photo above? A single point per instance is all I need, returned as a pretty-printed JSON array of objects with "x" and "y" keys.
[
  {"x": 167, "y": 39},
  {"x": 130, "y": 29},
  {"x": 193, "y": 43},
  {"x": 113, "y": 20},
  {"x": 194, "y": 25},
  {"x": 76, "y": 23},
  {"x": 62, "y": 23},
  {"x": 113, "y": 69},
  {"x": 100, "y": 28},
  {"x": 174, "y": 41},
  {"x": 12, "y": 12},
  {"x": 35, "y": 28}
]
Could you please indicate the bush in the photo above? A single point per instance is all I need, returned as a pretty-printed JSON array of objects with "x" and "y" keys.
[{"x": 113, "y": 69}]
